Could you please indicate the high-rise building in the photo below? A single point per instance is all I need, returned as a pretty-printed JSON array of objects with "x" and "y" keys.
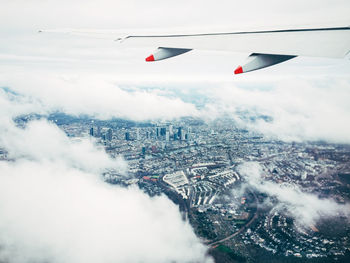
[
  {"x": 179, "y": 130},
  {"x": 167, "y": 136},
  {"x": 109, "y": 135},
  {"x": 127, "y": 136},
  {"x": 92, "y": 131},
  {"x": 170, "y": 129},
  {"x": 138, "y": 134},
  {"x": 188, "y": 135},
  {"x": 162, "y": 131},
  {"x": 98, "y": 134},
  {"x": 183, "y": 135}
]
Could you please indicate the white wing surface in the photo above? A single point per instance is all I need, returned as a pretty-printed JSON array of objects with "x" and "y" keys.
[{"x": 268, "y": 47}]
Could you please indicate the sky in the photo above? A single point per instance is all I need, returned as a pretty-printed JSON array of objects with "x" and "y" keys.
[{"x": 52, "y": 191}]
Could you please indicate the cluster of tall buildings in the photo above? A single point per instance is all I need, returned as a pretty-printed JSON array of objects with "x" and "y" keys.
[
  {"x": 104, "y": 135},
  {"x": 168, "y": 133},
  {"x": 160, "y": 132},
  {"x": 137, "y": 136}
]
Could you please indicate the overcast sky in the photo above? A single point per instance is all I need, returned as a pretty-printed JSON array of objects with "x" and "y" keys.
[{"x": 307, "y": 99}]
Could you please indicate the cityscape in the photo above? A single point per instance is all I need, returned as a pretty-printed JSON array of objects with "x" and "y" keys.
[{"x": 198, "y": 165}]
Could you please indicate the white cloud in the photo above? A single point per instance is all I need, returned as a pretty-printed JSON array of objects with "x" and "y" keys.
[
  {"x": 306, "y": 208},
  {"x": 43, "y": 141},
  {"x": 55, "y": 208},
  {"x": 301, "y": 108},
  {"x": 96, "y": 96},
  {"x": 54, "y": 213}
]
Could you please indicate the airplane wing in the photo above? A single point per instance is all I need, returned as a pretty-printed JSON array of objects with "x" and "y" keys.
[{"x": 267, "y": 47}]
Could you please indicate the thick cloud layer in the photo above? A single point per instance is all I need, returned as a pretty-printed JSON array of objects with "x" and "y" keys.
[
  {"x": 96, "y": 96},
  {"x": 298, "y": 109},
  {"x": 55, "y": 213},
  {"x": 303, "y": 109},
  {"x": 55, "y": 207},
  {"x": 306, "y": 208}
]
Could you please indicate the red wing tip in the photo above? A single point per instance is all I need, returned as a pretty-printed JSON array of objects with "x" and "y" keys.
[
  {"x": 150, "y": 58},
  {"x": 239, "y": 70}
]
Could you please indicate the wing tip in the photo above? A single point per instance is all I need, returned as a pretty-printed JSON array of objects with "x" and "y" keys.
[
  {"x": 150, "y": 58},
  {"x": 239, "y": 70}
]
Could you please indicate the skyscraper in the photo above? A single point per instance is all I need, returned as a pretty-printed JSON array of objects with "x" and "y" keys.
[
  {"x": 127, "y": 136},
  {"x": 179, "y": 130},
  {"x": 170, "y": 129},
  {"x": 109, "y": 135},
  {"x": 188, "y": 135},
  {"x": 181, "y": 133},
  {"x": 138, "y": 134},
  {"x": 162, "y": 131},
  {"x": 92, "y": 131},
  {"x": 182, "y": 136},
  {"x": 98, "y": 131},
  {"x": 167, "y": 136}
]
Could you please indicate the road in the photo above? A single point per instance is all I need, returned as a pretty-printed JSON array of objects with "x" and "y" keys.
[{"x": 242, "y": 228}]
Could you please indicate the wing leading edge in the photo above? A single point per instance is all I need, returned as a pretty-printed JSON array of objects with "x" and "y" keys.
[{"x": 267, "y": 47}]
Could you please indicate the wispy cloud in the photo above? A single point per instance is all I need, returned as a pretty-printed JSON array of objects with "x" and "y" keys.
[{"x": 305, "y": 208}]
